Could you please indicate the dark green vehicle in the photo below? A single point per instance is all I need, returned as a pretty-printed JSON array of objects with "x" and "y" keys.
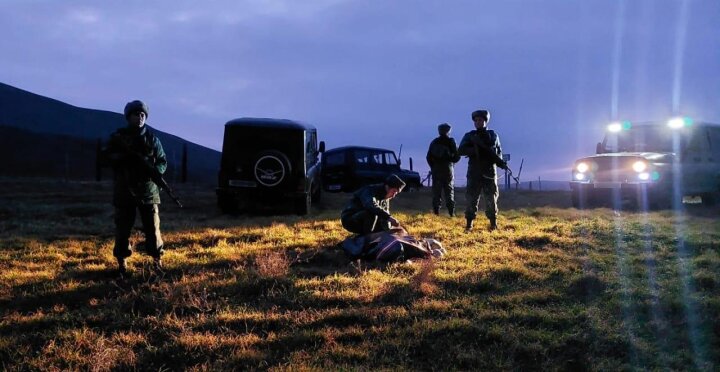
[{"x": 269, "y": 162}]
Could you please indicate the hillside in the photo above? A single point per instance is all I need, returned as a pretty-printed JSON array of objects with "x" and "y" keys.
[{"x": 46, "y": 131}]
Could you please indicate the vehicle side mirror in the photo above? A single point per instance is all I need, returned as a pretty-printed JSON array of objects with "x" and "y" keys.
[
  {"x": 411, "y": 164},
  {"x": 322, "y": 146},
  {"x": 599, "y": 148}
]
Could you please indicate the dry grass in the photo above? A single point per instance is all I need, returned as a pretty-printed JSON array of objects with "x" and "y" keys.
[{"x": 555, "y": 288}]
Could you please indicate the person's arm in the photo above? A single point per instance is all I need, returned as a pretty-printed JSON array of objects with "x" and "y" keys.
[
  {"x": 368, "y": 201},
  {"x": 114, "y": 154},
  {"x": 429, "y": 157},
  {"x": 454, "y": 154},
  {"x": 466, "y": 148},
  {"x": 160, "y": 159},
  {"x": 498, "y": 150}
]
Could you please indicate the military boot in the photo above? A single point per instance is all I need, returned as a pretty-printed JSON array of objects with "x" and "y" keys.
[
  {"x": 493, "y": 224},
  {"x": 468, "y": 224},
  {"x": 122, "y": 268},
  {"x": 451, "y": 212},
  {"x": 158, "y": 266},
  {"x": 436, "y": 210}
]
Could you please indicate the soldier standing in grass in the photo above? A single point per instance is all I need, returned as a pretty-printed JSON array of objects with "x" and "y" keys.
[
  {"x": 441, "y": 157},
  {"x": 369, "y": 209},
  {"x": 134, "y": 190},
  {"x": 482, "y": 147}
]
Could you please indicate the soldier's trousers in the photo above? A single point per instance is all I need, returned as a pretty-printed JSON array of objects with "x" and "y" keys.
[
  {"x": 364, "y": 222},
  {"x": 443, "y": 184},
  {"x": 124, "y": 222},
  {"x": 486, "y": 188}
]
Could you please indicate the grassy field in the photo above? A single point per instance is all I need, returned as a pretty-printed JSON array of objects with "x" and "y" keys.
[{"x": 555, "y": 289}]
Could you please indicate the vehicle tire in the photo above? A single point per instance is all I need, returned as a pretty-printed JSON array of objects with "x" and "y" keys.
[
  {"x": 271, "y": 168},
  {"x": 580, "y": 199},
  {"x": 302, "y": 204},
  {"x": 316, "y": 194},
  {"x": 227, "y": 205}
]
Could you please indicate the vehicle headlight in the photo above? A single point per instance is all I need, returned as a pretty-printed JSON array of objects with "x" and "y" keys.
[
  {"x": 614, "y": 127},
  {"x": 644, "y": 176},
  {"x": 579, "y": 176},
  {"x": 639, "y": 166},
  {"x": 582, "y": 167}
]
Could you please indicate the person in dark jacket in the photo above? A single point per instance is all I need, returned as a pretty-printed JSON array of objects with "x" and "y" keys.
[
  {"x": 369, "y": 208},
  {"x": 134, "y": 191},
  {"x": 441, "y": 157},
  {"x": 482, "y": 147}
]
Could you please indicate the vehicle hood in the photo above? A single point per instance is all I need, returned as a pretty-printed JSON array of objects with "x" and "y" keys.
[{"x": 652, "y": 157}]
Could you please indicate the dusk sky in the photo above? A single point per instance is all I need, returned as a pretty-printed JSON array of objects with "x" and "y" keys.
[{"x": 383, "y": 73}]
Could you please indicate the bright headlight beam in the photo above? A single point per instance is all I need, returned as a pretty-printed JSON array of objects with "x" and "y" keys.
[
  {"x": 676, "y": 123},
  {"x": 639, "y": 166},
  {"x": 582, "y": 167},
  {"x": 615, "y": 127}
]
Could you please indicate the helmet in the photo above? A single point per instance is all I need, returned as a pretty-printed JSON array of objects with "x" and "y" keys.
[
  {"x": 444, "y": 128},
  {"x": 136, "y": 106}
]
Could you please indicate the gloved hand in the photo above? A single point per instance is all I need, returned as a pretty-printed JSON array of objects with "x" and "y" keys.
[
  {"x": 393, "y": 221},
  {"x": 503, "y": 165}
]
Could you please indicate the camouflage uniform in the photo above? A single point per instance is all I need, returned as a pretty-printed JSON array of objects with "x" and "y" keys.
[
  {"x": 367, "y": 211},
  {"x": 481, "y": 174},
  {"x": 441, "y": 157},
  {"x": 134, "y": 191}
]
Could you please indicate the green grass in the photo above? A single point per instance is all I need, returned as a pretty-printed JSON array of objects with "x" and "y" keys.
[{"x": 555, "y": 288}]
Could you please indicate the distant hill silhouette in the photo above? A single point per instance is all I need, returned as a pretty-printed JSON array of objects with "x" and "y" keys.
[{"x": 40, "y": 136}]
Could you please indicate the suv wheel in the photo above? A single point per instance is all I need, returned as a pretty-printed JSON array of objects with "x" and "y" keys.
[
  {"x": 302, "y": 204},
  {"x": 271, "y": 168},
  {"x": 316, "y": 194},
  {"x": 581, "y": 199},
  {"x": 227, "y": 205}
]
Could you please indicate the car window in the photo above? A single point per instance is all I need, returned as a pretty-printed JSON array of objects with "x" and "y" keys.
[
  {"x": 390, "y": 158},
  {"x": 311, "y": 148},
  {"x": 364, "y": 157},
  {"x": 715, "y": 142},
  {"x": 699, "y": 141}
]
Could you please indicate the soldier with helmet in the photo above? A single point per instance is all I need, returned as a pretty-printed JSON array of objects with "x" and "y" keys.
[
  {"x": 482, "y": 147},
  {"x": 134, "y": 190},
  {"x": 441, "y": 157}
]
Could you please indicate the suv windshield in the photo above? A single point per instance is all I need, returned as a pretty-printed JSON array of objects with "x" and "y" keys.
[{"x": 646, "y": 138}]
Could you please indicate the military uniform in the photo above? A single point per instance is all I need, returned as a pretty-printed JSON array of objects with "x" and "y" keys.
[
  {"x": 134, "y": 191},
  {"x": 367, "y": 210},
  {"x": 481, "y": 174},
  {"x": 441, "y": 157}
]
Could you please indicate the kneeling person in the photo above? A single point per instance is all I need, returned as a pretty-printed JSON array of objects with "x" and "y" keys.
[{"x": 369, "y": 209}]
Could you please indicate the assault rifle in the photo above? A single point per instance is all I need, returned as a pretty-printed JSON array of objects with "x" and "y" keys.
[
  {"x": 154, "y": 174},
  {"x": 484, "y": 149}
]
